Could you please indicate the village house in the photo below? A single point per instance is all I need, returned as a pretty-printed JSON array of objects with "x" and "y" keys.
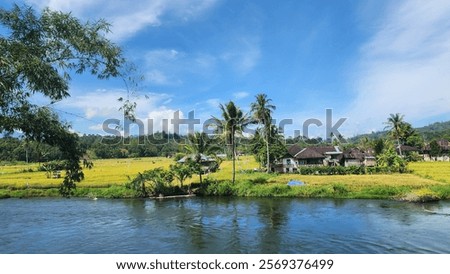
[
  {"x": 309, "y": 156},
  {"x": 444, "y": 147},
  {"x": 298, "y": 157},
  {"x": 407, "y": 149},
  {"x": 357, "y": 157}
]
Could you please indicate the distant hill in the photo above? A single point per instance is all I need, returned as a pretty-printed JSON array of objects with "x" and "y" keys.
[
  {"x": 435, "y": 131},
  {"x": 438, "y": 130}
]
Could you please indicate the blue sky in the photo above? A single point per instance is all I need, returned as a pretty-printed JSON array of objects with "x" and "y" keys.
[{"x": 363, "y": 59}]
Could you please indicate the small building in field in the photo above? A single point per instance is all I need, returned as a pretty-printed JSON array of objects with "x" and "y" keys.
[{"x": 208, "y": 164}]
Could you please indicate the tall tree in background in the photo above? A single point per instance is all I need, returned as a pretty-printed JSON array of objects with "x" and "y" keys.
[
  {"x": 395, "y": 124},
  {"x": 435, "y": 149},
  {"x": 38, "y": 53},
  {"x": 262, "y": 114},
  {"x": 233, "y": 121}
]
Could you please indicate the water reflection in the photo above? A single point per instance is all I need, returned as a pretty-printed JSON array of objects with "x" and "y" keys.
[
  {"x": 273, "y": 214},
  {"x": 222, "y": 225}
]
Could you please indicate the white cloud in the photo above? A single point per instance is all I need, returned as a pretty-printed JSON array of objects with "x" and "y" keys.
[
  {"x": 244, "y": 53},
  {"x": 404, "y": 66},
  {"x": 103, "y": 104},
  {"x": 240, "y": 95},
  {"x": 127, "y": 17},
  {"x": 158, "y": 115}
]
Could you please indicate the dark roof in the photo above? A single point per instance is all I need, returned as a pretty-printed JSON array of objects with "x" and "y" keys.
[
  {"x": 309, "y": 153},
  {"x": 326, "y": 149},
  {"x": 318, "y": 152},
  {"x": 408, "y": 148},
  {"x": 355, "y": 153},
  {"x": 443, "y": 144},
  {"x": 294, "y": 149}
]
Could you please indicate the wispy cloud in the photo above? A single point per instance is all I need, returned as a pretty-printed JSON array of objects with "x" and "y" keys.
[
  {"x": 171, "y": 67},
  {"x": 105, "y": 103},
  {"x": 404, "y": 66},
  {"x": 243, "y": 53},
  {"x": 129, "y": 18},
  {"x": 240, "y": 95},
  {"x": 213, "y": 103}
]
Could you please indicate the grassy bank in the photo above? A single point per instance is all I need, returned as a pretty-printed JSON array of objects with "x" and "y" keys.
[{"x": 108, "y": 178}]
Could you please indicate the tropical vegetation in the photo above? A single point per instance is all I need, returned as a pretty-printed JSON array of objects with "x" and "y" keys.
[{"x": 38, "y": 55}]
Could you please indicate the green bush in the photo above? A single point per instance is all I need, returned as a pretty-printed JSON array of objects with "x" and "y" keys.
[{"x": 355, "y": 170}]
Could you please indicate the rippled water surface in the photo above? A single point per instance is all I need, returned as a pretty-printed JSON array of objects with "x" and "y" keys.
[{"x": 209, "y": 225}]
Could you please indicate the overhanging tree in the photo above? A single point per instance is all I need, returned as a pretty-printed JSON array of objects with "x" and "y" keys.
[{"x": 38, "y": 54}]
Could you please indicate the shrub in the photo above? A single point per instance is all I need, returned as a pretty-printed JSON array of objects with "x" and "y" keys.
[
  {"x": 355, "y": 170},
  {"x": 259, "y": 180},
  {"x": 224, "y": 188}
]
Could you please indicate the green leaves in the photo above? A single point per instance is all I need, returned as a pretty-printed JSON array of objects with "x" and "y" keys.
[
  {"x": 153, "y": 182},
  {"x": 39, "y": 52},
  {"x": 42, "y": 49}
]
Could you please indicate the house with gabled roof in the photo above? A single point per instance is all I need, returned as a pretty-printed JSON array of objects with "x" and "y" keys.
[
  {"x": 308, "y": 156},
  {"x": 324, "y": 155},
  {"x": 357, "y": 157}
]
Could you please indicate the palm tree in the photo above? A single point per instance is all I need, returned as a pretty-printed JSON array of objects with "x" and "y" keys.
[
  {"x": 200, "y": 144},
  {"x": 395, "y": 125},
  {"x": 233, "y": 121},
  {"x": 262, "y": 114}
]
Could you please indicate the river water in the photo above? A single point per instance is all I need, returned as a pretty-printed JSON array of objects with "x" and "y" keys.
[{"x": 222, "y": 225}]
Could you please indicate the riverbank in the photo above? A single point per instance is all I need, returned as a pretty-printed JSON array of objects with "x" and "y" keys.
[
  {"x": 429, "y": 181},
  {"x": 251, "y": 189}
]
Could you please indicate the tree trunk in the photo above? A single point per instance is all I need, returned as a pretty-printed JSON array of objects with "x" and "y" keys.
[
  {"x": 233, "y": 151},
  {"x": 267, "y": 151},
  {"x": 399, "y": 147}
]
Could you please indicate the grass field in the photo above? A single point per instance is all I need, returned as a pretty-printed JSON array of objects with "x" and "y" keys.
[{"x": 109, "y": 176}]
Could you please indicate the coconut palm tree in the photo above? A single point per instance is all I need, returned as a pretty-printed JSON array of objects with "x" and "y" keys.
[
  {"x": 200, "y": 144},
  {"x": 395, "y": 124},
  {"x": 233, "y": 121},
  {"x": 262, "y": 114}
]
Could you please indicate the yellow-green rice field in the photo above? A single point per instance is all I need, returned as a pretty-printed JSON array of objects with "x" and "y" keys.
[{"x": 425, "y": 176}]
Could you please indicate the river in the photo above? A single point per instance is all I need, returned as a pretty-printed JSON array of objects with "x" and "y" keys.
[{"x": 222, "y": 225}]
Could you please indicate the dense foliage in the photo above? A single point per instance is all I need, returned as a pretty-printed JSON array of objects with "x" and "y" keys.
[{"x": 39, "y": 52}]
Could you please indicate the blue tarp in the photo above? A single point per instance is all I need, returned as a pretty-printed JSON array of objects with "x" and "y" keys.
[{"x": 296, "y": 183}]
